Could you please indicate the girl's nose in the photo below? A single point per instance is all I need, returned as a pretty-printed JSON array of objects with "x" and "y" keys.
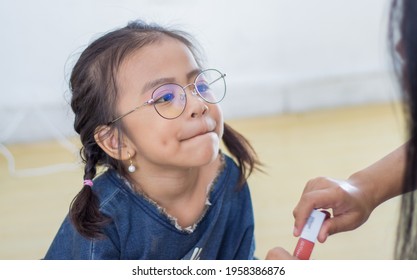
[
  {"x": 199, "y": 111},
  {"x": 197, "y": 105}
]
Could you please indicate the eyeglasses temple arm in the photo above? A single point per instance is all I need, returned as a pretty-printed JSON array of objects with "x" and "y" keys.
[
  {"x": 221, "y": 77},
  {"x": 150, "y": 101}
]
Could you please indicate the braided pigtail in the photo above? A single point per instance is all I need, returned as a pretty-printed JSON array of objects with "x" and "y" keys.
[
  {"x": 84, "y": 210},
  {"x": 243, "y": 151}
]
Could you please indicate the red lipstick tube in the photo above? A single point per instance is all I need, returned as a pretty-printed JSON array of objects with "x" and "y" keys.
[{"x": 309, "y": 235}]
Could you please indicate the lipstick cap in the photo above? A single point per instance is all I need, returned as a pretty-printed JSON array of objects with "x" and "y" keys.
[{"x": 312, "y": 227}]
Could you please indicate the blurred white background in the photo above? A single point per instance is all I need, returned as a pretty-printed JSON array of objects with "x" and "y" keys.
[{"x": 279, "y": 55}]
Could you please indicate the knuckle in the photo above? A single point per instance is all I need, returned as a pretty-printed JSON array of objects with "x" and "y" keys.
[{"x": 316, "y": 182}]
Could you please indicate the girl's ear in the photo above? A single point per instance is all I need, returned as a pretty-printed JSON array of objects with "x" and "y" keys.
[{"x": 109, "y": 141}]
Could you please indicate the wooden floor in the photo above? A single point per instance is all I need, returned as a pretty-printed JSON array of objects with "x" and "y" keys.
[{"x": 294, "y": 148}]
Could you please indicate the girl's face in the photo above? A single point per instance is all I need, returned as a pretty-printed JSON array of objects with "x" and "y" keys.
[{"x": 190, "y": 140}]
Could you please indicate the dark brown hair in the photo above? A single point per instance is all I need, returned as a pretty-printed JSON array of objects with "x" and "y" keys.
[
  {"x": 94, "y": 91},
  {"x": 403, "y": 31}
]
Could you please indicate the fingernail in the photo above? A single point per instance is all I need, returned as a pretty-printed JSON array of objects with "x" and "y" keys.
[{"x": 295, "y": 231}]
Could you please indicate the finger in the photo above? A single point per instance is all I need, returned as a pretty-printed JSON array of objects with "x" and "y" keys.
[
  {"x": 279, "y": 253},
  {"x": 341, "y": 223},
  {"x": 319, "y": 183},
  {"x": 324, "y": 231},
  {"x": 314, "y": 200}
]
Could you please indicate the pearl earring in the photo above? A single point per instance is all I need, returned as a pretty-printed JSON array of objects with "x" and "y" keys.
[{"x": 131, "y": 167}]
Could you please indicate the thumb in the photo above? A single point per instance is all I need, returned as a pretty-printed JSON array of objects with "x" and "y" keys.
[{"x": 334, "y": 225}]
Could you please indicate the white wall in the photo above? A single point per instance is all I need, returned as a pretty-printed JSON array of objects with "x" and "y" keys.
[{"x": 279, "y": 55}]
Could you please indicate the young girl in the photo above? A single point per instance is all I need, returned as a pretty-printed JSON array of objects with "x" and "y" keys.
[{"x": 147, "y": 109}]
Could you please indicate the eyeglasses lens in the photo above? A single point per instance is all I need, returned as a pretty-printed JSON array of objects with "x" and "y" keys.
[
  {"x": 169, "y": 101},
  {"x": 211, "y": 86}
]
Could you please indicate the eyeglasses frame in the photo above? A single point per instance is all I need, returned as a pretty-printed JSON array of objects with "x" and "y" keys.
[{"x": 194, "y": 92}]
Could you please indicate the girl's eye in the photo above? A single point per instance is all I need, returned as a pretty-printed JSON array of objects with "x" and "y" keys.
[
  {"x": 166, "y": 97},
  {"x": 203, "y": 88}
]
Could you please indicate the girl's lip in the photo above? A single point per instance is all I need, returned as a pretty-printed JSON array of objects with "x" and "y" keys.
[
  {"x": 205, "y": 127},
  {"x": 197, "y": 134}
]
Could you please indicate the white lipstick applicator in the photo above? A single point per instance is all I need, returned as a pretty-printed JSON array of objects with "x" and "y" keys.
[{"x": 309, "y": 234}]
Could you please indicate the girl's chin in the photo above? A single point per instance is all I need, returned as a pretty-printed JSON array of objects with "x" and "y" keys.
[{"x": 203, "y": 156}]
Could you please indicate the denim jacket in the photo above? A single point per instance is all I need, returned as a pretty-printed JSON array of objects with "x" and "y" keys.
[{"x": 140, "y": 230}]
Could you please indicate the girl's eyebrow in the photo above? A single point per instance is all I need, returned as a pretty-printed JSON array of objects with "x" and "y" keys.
[
  {"x": 151, "y": 84},
  {"x": 157, "y": 82}
]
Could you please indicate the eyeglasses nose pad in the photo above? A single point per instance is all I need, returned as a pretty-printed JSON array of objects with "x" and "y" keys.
[{"x": 194, "y": 92}]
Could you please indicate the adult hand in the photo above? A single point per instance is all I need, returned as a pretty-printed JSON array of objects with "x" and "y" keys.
[{"x": 351, "y": 206}]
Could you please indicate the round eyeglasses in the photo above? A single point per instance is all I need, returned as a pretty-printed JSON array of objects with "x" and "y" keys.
[{"x": 169, "y": 100}]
